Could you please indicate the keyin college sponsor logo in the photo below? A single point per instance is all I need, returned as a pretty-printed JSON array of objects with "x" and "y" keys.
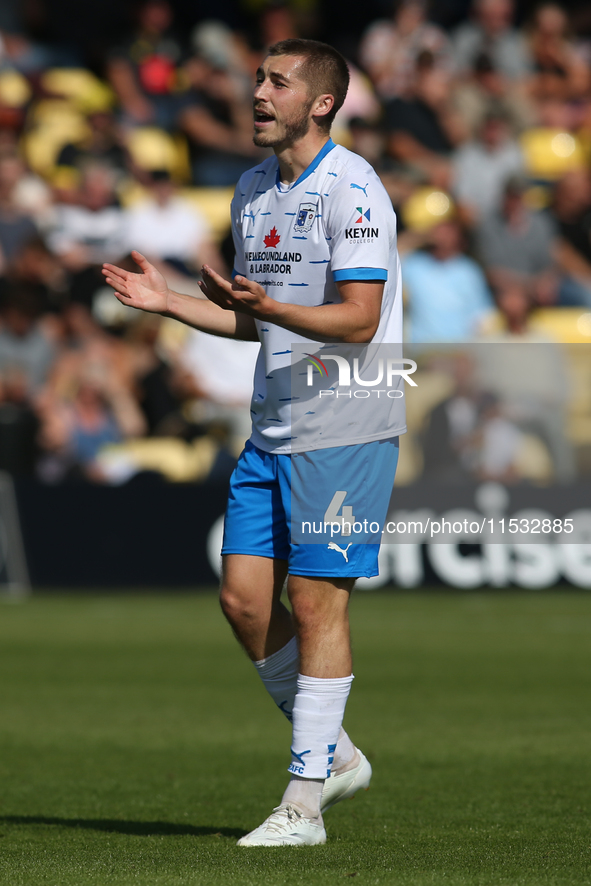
[{"x": 364, "y": 234}]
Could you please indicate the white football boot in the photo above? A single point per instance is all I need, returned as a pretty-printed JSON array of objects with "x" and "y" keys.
[
  {"x": 286, "y": 826},
  {"x": 346, "y": 784}
]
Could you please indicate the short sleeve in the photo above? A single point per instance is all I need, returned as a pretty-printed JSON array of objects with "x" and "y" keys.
[
  {"x": 360, "y": 227},
  {"x": 236, "y": 216}
]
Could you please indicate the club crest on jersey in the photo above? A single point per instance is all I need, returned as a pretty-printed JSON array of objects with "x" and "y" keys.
[
  {"x": 305, "y": 217},
  {"x": 362, "y": 214}
]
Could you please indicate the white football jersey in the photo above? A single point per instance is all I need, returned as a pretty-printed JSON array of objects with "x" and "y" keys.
[{"x": 335, "y": 223}]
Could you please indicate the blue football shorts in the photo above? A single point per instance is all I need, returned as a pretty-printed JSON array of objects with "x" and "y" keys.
[{"x": 323, "y": 511}]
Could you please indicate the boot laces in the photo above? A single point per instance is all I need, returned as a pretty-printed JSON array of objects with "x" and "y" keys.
[{"x": 283, "y": 818}]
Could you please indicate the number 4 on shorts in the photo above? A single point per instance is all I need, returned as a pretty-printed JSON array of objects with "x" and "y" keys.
[{"x": 345, "y": 519}]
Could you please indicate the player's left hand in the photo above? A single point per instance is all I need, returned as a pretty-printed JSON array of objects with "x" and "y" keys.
[{"x": 241, "y": 295}]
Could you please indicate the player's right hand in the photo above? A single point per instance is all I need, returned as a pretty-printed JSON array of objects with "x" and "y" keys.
[{"x": 147, "y": 291}]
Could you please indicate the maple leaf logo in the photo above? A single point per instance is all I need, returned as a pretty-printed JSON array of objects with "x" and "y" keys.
[{"x": 272, "y": 238}]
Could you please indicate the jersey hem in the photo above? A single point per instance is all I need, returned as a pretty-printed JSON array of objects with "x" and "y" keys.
[{"x": 386, "y": 435}]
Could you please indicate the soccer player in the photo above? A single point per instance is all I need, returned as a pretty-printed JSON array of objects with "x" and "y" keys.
[{"x": 316, "y": 262}]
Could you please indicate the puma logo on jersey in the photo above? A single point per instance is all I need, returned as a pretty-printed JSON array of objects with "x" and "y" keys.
[
  {"x": 359, "y": 187},
  {"x": 333, "y": 546}
]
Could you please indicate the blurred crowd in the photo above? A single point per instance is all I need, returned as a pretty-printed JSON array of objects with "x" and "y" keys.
[{"x": 479, "y": 124}]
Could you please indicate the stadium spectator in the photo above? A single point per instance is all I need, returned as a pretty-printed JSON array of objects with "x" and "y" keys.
[
  {"x": 223, "y": 372},
  {"x": 361, "y": 103},
  {"x": 18, "y": 425},
  {"x": 449, "y": 431},
  {"x": 42, "y": 272},
  {"x": 369, "y": 141},
  {"x": 424, "y": 127},
  {"x": 156, "y": 381},
  {"x": 527, "y": 371},
  {"x": 467, "y": 436},
  {"x": 390, "y": 48},
  {"x": 103, "y": 144},
  {"x": 218, "y": 120},
  {"x": 85, "y": 343},
  {"x": 517, "y": 242},
  {"x": 145, "y": 71},
  {"x": 19, "y": 52},
  {"x": 96, "y": 411},
  {"x": 571, "y": 209},
  {"x": 490, "y": 30},
  {"x": 515, "y": 306},
  {"x": 554, "y": 52},
  {"x": 88, "y": 401},
  {"x": 496, "y": 443},
  {"x": 92, "y": 229},
  {"x": 26, "y": 193},
  {"x": 166, "y": 227},
  {"x": 485, "y": 91},
  {"x": 278, "y": 21},
  {"x": 25, "y": 346},
  {"x": 16, "y": 226},
  {"x": 481, "y": 168},
  {"x": 447, "y": 295}
]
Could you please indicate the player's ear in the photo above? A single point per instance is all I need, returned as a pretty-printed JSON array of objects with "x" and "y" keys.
[{"x": 322, "y": 105}]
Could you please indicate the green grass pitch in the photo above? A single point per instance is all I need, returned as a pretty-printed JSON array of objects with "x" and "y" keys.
[{"x": 136, "y": 745}]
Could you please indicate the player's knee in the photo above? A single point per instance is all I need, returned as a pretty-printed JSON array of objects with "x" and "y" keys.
[
  {"x": 235, "y": 607},
  {"x": 230, "y": 602},
  {"x": 306, "y": 611}
]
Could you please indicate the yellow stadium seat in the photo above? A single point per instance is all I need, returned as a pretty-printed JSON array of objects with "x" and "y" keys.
[
  {"x": 55, "y": 113},
  {"x": 54, "y": 123},
  {"x": 579, "y": 369},
  {"x": 130, "y": 192},
  {"x": 152, "y": 148},
  {"x": 426, "y": 207},
  {"x": 89, "y": 94},
  {"x": 14, "y": 89},
  {"x": 66, "y": 178},
  {"x": 177, "y": 460},
  {"x": 551, "y": 153},
  {"x": 214, "y": 204},
  {"x": 533, "y": 461},
  {"x": 568, "y": 325}
]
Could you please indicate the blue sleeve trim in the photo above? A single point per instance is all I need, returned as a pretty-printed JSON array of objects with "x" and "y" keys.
[
  {"x": 234, "y": 273},
  {"x": 360, "y": 274}
]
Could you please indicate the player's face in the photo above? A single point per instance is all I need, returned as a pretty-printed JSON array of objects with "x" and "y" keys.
[{"x": 282, "y": 106}]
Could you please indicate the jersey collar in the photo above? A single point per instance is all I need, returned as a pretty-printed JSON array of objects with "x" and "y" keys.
[{"x": 310, "y": 169}]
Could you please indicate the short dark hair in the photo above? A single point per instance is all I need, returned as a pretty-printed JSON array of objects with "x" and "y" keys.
[{"x": 324, "y": 70}]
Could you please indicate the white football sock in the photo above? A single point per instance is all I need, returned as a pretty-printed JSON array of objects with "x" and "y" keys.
[
  {"x": 279, "y": 673},
  {"x": 318, "y": 712}
]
